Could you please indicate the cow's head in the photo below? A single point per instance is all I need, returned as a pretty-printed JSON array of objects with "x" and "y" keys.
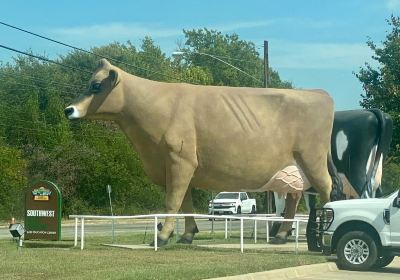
[{"x": 104, "y": 97}]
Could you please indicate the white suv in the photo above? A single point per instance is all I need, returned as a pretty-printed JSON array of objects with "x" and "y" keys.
[{"x": 364, "y": 233}]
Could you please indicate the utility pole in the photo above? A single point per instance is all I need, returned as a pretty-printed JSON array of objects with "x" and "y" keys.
[
  {"x": 268, "y": 194},
  {"x": 266, "y": 65}
]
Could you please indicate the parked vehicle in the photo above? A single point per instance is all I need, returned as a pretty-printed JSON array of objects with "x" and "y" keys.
[
  {"x": 364, "y": 233},
  {"x": 232, "y": 203}
]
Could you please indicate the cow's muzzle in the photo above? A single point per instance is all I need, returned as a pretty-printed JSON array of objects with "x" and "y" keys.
[{"x": 69, "y": 111}]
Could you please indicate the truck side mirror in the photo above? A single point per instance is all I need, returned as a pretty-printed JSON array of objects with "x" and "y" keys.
[{"x": 396, "y": 202}]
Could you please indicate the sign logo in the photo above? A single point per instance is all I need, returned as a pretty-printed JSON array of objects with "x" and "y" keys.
[{"x": 41, "y": 194}]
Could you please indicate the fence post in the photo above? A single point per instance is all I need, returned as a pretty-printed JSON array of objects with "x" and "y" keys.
[
  {"x": 82, "y": 232},
  {"x": 297, "y": 236},
  {"x": 241, "y": 234},
  {"x": 155, "y": 233},
  {"x": 255, "y": 231},
  {"x": 177, "y": 229},
  {"x": 76, "y": 233},
  {"x": 226, "y": 228}
]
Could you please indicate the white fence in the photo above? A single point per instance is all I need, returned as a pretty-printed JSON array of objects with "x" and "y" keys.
[{"x": 156, "y": 217}]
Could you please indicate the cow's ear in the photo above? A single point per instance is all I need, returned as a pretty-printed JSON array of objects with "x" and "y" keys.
[{"x": 113, "y": 76}]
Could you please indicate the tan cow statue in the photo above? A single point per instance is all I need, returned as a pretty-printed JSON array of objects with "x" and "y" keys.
[{"x": 216, "y": 138}]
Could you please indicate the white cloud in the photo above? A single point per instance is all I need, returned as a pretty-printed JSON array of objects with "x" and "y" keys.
[
  {"x": 286, "y": 21},
  {"x": 283, "y": 54},
  {"x": 295, "y": 55},
  {"x": 393, "y": 5},
  {"x": 242, "y": 25},
  {"x": 119, "y": 30},
  {"x": 116, "y": 31}
]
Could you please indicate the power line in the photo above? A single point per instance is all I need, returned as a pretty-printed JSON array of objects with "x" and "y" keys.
[
  {"x": 106, "y": 57},
  {"x": 33, "y": 86},
  {"x": 51, "y": 130},
  {"x": 230, "y": 58},
  {"x": 90, "y": 52},
  {"x": 45, "y": 59},
  {"x": 43, "y": 80},
  {"x": 97, "y": 132}
]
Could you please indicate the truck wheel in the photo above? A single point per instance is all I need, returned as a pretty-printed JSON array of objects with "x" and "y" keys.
[
  {"x": 356, "y": 250},
  {"x": 383, "y": 261},
  {"x": 239, "y": 210},
  {"x": 253, "y": 210}
]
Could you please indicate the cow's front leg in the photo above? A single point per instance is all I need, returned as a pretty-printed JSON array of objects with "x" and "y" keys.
[
  {"x": 190, "y": 224},
  {"x": 179, "y": 172},
  {"x": 291, "y": 203}
]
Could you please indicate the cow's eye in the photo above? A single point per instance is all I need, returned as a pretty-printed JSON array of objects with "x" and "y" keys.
[{"x": 96, "y": 87}]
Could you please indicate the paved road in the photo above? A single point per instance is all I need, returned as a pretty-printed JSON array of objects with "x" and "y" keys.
[{"x": 391, "y": 272}]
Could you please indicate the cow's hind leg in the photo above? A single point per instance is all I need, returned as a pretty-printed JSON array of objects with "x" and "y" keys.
[
  {"x": 280, "y": 208},
  {"x": 190, "y": 224},
  {"x": 291, "y": 203},
  {"x": 316, "y": 171}
]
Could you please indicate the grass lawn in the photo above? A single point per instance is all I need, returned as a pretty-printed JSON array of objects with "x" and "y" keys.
[{"x": 59, "y": 260}]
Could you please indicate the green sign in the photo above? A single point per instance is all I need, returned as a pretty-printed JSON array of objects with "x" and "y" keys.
[{"x": 43, "y": 211}]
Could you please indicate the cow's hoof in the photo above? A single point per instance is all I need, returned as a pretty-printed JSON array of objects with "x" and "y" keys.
[
  {"x": 278, "y": 240},
  {"x": 184, "y": 240},
  {"x": 160, "y": 242}
]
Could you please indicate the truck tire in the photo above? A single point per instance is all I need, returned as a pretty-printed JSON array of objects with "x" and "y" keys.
[
  {"x": 356, "y": 250},
  {"x": 383, "y": 261}
]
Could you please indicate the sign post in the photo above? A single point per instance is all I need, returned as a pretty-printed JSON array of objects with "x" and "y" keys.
[
  {"x": 43, "y": 211},
  {"x": 112, "y": 213}
]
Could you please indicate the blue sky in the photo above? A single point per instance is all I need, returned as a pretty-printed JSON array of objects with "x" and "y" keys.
[{"x": 313, "y": 43}]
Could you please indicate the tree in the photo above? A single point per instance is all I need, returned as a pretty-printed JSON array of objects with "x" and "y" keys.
[
  {"x": 382, "y": 84},
  {"x": 202, "y": 45},
  {"x": 13, "y": 181}
]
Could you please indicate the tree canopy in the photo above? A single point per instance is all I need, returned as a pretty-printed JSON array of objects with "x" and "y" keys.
[{"x": 382, "y": 89}]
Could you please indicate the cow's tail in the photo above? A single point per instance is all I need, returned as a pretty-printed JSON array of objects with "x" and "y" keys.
[
  {"x": 337, "y": 184},
  {"x": 385, "y": 128}
]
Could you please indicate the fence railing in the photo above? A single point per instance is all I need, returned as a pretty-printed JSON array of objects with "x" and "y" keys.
[{"x": 256, "y": 218}]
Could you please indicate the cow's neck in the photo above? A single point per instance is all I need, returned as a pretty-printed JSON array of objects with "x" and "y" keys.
[{"x": 147, "y": 110}]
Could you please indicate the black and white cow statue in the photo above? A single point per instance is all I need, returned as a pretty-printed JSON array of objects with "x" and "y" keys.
[{"x": 360, "y": 141}]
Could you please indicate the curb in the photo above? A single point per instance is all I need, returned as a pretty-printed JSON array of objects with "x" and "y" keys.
[{"x": 285, "y": 273}]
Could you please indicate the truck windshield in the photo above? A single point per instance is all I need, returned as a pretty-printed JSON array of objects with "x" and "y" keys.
[{"x": 227, "y": 196}]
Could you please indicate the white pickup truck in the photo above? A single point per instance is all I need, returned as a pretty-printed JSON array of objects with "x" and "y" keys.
[
  {"x": 364, "y": 233},
  {"x": 232, "y": 203}
]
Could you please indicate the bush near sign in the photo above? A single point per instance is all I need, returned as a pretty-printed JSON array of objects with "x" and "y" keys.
[{"x": 43, "y": 211}]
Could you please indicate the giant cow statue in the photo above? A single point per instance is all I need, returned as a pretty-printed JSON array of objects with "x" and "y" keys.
[{"x": 217, "y": 138}]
